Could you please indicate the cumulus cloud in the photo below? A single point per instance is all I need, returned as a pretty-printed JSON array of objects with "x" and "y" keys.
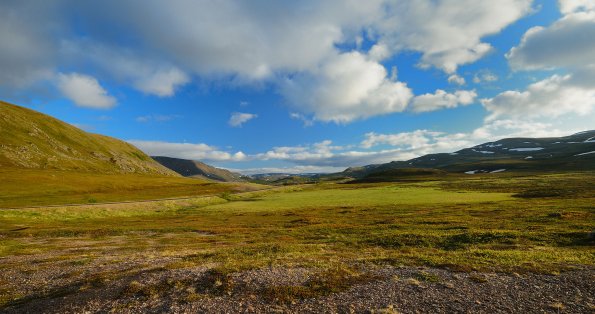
[
  {"x": 287, "y": 44},
  {"x": 84, "y": 91},
  {"x": 27, "y": 52},
  {"x": 551, "y": 97},
  {"x": 441, "y": 99},
  {"x": 162, "y": 83},
  {"x": 186, "y": 151},
  {"x": 349, "y": 86},
  {"x": 448, "y": 33},
  {"x": 148, "y": 75},
  {"x": 484, "y": 76},
  {"x": 237, "y": 119},
  {"x": 566, "y": 43},
  {"x": 570, "y": 6},
  {"x": 456, "y": 79}
]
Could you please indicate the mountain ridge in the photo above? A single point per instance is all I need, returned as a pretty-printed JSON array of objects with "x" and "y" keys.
[
  {"x": 572, "y": 152},
  {"x": 198, "y": 169}
]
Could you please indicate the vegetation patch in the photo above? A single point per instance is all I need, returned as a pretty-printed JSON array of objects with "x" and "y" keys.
[{"x": 330, "y": 281}]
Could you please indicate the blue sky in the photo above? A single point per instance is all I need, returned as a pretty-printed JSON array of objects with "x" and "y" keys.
[{"x": 308, "y": 86}]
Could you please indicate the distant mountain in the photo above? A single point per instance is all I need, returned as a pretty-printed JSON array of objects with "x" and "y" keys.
[
  {"x": 32, "y": 140},
  {"x": 574, "y": 152},
  {"x": 285, "y": 178},
  {"x": 197, "y": 169}
]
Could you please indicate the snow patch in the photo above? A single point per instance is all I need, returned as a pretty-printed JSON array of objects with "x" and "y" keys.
[
  {"x": 499, "y": 170},
  {"x": 590, "y": 140},
  {"x": 529, "y": 157},
  {"x": 526, "y": 149},
  {"x": 587, "y": 153},
  {"x": 472, "y": 171},
  {"x": 483, "y": 151}
]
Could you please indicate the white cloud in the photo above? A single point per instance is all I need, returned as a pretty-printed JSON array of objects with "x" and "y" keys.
[
  {"x": 237, "y": 119},
  {"x": 289, "y": 170},
  {"x": 27, "y": 50},
  {"x": 84, "y": 91},
  {"x": 305, "y": 120},
  {"x": 484, "y": 76},
  {"x": 157, "y": 118},
  {"x": 150, "y": 76},
  {"x": 551, "y": 97},
  {"x": 162, "y": 83},
  {"x": 325, "y": 157},
  {"x": 186, "y": 151},
  {"x": 456, "y": 79},
  {"x": 413, "y": 139},
  {"x": 570, "y": 6},
  {"x": 448, "y": 33},
  {"x": 566, "y": 43},
  {"x": 347, "y": 87},
  {"x": 287, "y": 44},
  {"x": 441, "y": 99}
]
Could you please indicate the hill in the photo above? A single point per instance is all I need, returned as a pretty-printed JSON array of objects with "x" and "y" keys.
[
  {"x": 32, "y": 140},
  {"x": 569, "y": 153},
  {"x": 197, "y": 169}
]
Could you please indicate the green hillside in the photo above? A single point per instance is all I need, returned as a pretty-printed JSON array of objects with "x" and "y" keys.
[
  {"x": 32, "y": 140},
  {"x": 44, "y": 161}
]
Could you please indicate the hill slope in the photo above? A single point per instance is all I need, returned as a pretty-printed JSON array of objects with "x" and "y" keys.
[
  {"x": 197, "y": 169},
  {"x": 32, "y": 140},
  {"x": 574, "y": 152}
]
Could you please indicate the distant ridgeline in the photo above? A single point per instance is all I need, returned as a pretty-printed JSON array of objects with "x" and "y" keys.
[
  {"x": 197, "y": 169},
  {"x": 32, "y": 140},
  {"x": 569, "y": 153}
]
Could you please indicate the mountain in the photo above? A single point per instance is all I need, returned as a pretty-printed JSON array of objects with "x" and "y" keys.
[
  {"x": 32, "y": 140},
  {"x": 197, "y": 169},
  {"x": 574, "y": 152}
]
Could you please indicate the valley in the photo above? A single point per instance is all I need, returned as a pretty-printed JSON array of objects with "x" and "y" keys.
[{"x": 83, "y": 233}]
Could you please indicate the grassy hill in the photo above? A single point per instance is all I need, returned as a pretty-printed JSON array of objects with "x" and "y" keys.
[
  {"x": 44, "y": 161},
  {"x": 197, "y": 169},
  {"x": 32, "y": 140},
  {"x": 569, "y": 153}
]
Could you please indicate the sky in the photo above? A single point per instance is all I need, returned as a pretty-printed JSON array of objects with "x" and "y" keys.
[{"x": 303, "y": 86}]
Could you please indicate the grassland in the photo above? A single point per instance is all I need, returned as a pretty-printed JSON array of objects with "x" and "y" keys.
[
  {"x": 32, "y": 187},
  {"x": 483, "y": 223}
]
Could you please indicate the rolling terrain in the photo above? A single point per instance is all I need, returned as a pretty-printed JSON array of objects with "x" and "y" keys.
[
  {"x": 570, "y": 153},
  {"x": 488, "y": 244}
]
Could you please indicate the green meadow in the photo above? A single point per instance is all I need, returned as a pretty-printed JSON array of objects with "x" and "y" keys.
[{"x": 542, "y": 223}]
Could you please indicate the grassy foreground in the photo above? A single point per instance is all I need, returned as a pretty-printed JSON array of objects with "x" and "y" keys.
[{"x": 491, "y": 223}]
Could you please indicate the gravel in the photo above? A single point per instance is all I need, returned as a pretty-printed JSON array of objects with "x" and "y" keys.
[{"x": 392, "y": 290}]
